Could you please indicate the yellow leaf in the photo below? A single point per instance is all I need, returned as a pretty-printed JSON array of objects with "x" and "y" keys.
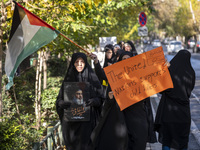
[
  {"x": 78, "y": 7},
  {"x": 71, "y": 6},
  {"x": 68, "y": 19},
  {"x": 134, "y": 29},
  {"x": 74, "y": 28},
  {"x": 106, "y": 1},
  {"x": 96, "y": 3},
  {"x": 89, "y": 2},
  {"x": 9, "y": 11},
  {"x": 83, "y": 6}
]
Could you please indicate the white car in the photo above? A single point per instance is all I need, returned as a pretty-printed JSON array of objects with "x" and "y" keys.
[
  {"x": 174, "y": 47},
  {"x": 191, "y": 43},
  {"x": 156, "y": 43}
]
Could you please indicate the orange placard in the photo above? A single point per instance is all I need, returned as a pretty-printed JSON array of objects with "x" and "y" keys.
[{"x": 138, "y": 77}]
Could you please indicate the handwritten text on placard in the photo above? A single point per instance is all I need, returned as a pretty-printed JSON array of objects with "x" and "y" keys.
[{"x": 138, "y": 77}]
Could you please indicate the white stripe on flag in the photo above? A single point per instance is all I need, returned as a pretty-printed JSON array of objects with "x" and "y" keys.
[{"x": 20, "y": 39}]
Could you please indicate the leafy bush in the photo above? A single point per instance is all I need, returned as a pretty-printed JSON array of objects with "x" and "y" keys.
[
  {"x": 9, "y": 135},
  {"x": 18, "y": 131},
  {"x": 15, "y": 136},
  {"x": 49, "y": 96}
]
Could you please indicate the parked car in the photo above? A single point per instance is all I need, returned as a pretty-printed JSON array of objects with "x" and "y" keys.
[
  {"x": 174, "y": 47},
  {"x": 197, "y": 47},
  {"x": 191, "y": 43},
  {"x": 166, "y": 41},
  {"x": 156, "y": 43}
]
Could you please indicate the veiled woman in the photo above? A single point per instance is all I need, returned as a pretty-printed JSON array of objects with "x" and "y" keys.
[
  {"x": 173, "y": 118},
  {"x": 111, "y": 132},
  {"x": 109, "y": 60},
  {"x": 77, "y": 134},
  {"x": 129, "y": 46},
  {"x": 139, "y": 120}
]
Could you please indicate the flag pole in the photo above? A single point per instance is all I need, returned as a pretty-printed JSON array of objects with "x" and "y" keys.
[{"x": 74, "y": 43}]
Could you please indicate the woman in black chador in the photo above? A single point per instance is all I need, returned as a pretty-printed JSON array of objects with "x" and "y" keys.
[
  {"x": 111, "y": 132},
  {"x": 77, "y": 134},
  {"x": 139, "y": 120},
  {"x": 109, "y": 60},
  {"x": 173, "y": 118}
]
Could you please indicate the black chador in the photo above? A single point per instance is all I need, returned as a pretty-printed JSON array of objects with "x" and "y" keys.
[
  {"x": 77, "y": 134},
  {"x": 139, "y": 121},
  {"x": 173, "y": 116}
]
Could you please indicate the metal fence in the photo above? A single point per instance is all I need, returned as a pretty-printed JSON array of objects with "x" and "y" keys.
[{"x": 53, "y": 140}]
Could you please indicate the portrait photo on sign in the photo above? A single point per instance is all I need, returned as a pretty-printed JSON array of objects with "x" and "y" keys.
[{"x": 77, "y": 93}]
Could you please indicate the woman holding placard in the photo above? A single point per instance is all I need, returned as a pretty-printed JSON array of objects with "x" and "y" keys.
[
  {"x": 139, "y": 120},
  {"x": 173, "y": 118}
]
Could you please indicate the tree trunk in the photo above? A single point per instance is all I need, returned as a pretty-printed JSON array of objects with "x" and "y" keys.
[
  {"x": 40, "y": 89},
  {"x": 36, "y": 90},
  {"x": 45, "y": 70},
  {"x": 1, "y": 55},
  {"x": 16, "y": 105},
  {"x": 1, "y": 100}
]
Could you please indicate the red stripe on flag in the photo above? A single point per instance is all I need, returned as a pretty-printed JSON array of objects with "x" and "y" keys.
[{"x": 35, "y": 20}]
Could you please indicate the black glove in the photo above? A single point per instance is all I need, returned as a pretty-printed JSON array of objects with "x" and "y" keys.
[
  {"x": 95, "y": 102},
  {"x": 64, "y": 104}
]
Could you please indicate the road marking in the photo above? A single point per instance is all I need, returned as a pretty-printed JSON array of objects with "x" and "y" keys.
[
  {"x": 195, "y": 131},
  {"x": 196, "y": 97}
]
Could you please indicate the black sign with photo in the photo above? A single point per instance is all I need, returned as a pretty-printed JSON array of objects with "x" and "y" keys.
[{"x": 77, "y": 93}]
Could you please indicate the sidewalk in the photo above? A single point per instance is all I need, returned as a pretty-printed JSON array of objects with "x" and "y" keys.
[
  {"x": 154, "y": 104},
  {"x": 154, "y": 146}
]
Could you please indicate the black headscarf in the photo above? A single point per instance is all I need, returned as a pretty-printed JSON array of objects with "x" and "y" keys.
[
  {"x": 125, "y": 53},
  {"x": 87, "y": 75},
  {"x": 106, "y": 48},
  {"x": 118, "y": 53},
  {"x": 133, "y": 49},
  {"x": 183, "y": 75},
  {"x": 121, "y": 44}
]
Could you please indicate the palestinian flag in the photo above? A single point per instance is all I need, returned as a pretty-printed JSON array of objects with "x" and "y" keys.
[{"x": 28, "y": 34}]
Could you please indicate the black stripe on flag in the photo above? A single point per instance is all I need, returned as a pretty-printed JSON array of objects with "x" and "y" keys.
[{"x": 18, "y": 16}]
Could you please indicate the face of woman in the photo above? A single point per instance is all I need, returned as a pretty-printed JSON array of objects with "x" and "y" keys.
[
  {"x": 109, "y": 54},
  {"x": 125, "y": 57},
  {"x": 127, "y": 48},
  {"x": 116, "y": 49},
  {"x": 79, "y": 64}
]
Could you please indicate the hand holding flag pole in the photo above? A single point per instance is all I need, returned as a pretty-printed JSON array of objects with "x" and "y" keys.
[{"x": 28, "y": 34}]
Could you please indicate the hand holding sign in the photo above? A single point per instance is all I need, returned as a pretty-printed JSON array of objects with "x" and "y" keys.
[{"x": 138, "y": 77}]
